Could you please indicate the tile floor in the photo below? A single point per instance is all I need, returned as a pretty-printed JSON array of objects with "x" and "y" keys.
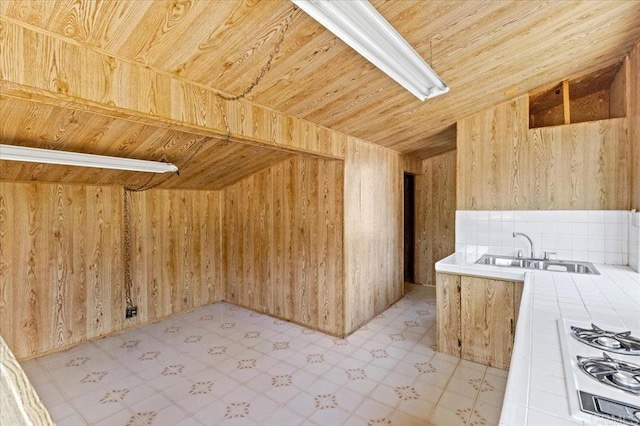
[{"x": 222, "y": 364}]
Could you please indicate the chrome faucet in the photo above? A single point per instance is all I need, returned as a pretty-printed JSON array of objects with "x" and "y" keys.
[{"x": 531, "y": 255}]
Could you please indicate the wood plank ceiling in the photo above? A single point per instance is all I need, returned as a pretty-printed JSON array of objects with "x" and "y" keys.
[
  {"x": 487, "y": 51},
  {"x": 213, "y": 163}
]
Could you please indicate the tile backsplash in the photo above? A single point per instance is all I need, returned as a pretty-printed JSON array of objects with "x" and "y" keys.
[
  {"x": 634, "y": 240},
  {"x": 598, "y": 236}
]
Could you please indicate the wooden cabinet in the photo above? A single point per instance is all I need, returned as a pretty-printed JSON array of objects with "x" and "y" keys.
[
  {"x": 448, "y": 313},
  {"x": 477, "y": 318},
  {"x": 487, "y": 320}
]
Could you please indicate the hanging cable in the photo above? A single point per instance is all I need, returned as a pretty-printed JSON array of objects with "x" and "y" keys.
[
  {"x": 266, "y": 66},
  {"x": 128, "y": 278}
]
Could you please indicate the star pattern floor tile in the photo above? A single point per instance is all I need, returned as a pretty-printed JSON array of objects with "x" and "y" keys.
[{"x": 222, "y": 364}]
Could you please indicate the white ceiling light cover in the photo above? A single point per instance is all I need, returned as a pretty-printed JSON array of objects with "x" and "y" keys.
[
  {"x": 49, "y": 156},
  {"x": 358, "y": 23}
]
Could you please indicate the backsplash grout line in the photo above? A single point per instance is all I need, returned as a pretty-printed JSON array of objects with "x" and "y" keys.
[{"x": 598, "y": 236}]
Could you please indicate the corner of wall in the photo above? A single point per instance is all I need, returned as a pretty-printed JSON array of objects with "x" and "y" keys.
[
  {"x": 633, "y": 115},
  {"x": 634, "y": 240}
]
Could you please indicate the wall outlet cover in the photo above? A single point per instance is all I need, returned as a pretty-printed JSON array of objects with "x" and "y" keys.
[{"x": 131, "y": 312}]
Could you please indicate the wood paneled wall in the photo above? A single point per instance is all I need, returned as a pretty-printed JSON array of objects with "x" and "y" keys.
[
  {"x": 504, "y": 166},
  {"x": 634, "y": 124},
  {"x": 283, "y": 243},
  {"x": 74, "y": 76},
  {"x": 372, "y": 231},
  {"x": 435, "y": 214},
  {"x": 618, "y": 92},
  {"x": 581, "y": 166},
  {"x": 61, "y": 257},
  {"x": 175, "y": 251},
  {"x": 62, "y": 260},
  {"x": 277, "y": 242},
  {"x": 490, "y": 147}
]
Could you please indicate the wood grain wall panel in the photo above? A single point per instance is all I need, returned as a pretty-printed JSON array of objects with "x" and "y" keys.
[
  {"x": 62, "y": 260},
  {"x": 372, "y": 231},
  {"x": 412, "y": 165},
  {"x": 8, "y": 270},
  {"x": 282, "y": 239},
  {"x": 581, "y": 166},
  {"x": 504, "y": 166},
  {"x": 491, "y": 158},
  {"x": 177, "y": 253},
  {"x": 435, "y": 214},
  {"x": 104, "y": 270},
  {"x": 62, "y": 265},
  {"x": 634, "y": 124},
  {"x": 74, "y": 76},
  {"x": 618, "y": 91}
]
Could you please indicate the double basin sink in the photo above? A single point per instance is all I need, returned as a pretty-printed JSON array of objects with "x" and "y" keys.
[{"x": 542, "y": 265}]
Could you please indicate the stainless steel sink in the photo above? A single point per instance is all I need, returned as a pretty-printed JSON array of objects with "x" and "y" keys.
[{"x": 543, "y": 265}]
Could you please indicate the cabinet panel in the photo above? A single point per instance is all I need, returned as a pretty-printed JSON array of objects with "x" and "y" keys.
[
  {"x": 517, "y": 298},
  {"x": 448, "y": 318},
  {"x": 487, "y": 320}
]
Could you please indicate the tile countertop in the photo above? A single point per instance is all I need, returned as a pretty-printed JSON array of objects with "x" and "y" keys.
[{"x": 536, "y": 393}]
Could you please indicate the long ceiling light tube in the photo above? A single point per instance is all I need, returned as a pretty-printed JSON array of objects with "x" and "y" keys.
[
  {"x": 66, "y": 158},
  {"x": 361, "y": 26}
]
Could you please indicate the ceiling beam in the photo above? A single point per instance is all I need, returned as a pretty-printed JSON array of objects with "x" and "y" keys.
[{"x": 55, "y": 71}]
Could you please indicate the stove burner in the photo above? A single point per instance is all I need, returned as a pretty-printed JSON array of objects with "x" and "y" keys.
[
  {"x": 620, "y": 343},
  {"x": 613, "y": 372},
  {"x": 608, "y": 342},
  {"x": 624, "y": 378}
]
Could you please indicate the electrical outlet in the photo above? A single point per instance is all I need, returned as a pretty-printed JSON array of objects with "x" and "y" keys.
[{"x": 132, "y": 311}]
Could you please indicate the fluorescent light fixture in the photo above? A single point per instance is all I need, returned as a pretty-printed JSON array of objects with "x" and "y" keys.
[
  {"x": 358, "y": 23},
  {"x": 49, "y": 156}
]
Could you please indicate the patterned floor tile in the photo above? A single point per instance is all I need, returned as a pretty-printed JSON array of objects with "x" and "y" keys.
[
  {"x": 222, "y": 364},
  {"x": 284, "y": 416}
]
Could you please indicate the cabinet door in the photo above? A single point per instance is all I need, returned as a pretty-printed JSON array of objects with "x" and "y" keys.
[
  {"x": 448, "y": 318},
  {"x": 517, "y": 298},
  {"x": 487, "y": 321}
]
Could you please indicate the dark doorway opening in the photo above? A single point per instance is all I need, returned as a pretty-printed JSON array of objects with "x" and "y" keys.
[{"x": 409, "y": 227}]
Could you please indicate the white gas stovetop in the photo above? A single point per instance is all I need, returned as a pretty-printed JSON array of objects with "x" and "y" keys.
[{"x": 602, "y": 371}]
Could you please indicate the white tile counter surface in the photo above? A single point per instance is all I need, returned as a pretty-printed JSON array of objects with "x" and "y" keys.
[{"x": 536, "y": 392}]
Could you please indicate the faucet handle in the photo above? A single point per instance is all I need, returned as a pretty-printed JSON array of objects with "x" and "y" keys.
[
  {"x": 519, "y": 255},
  {"x": 547, "y": 255}
]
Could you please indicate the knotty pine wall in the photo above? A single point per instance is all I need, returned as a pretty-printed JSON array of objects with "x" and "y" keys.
[
  {"x": 283, "y": 243},
  {"x": 175, "y": 251},
  {"x": 61, "y": 265},
  {"x": 62, "y": 260},
  {"x": 276, "y": 242},
  {"x": 372, "y": 231},
  {"x": 502, "y": 165},
  {"x": 435, "y": 214}
]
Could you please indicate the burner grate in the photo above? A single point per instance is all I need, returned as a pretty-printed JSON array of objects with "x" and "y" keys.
[
  {"x": 620, "y": 343},
  {"x": 613, "y": 372}
]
